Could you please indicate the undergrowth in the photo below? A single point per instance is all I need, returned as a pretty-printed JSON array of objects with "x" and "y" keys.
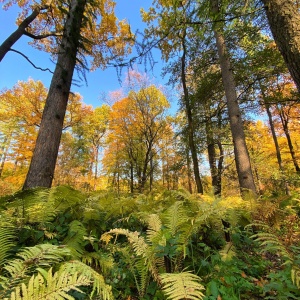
[{"x": 60, "y": 243}]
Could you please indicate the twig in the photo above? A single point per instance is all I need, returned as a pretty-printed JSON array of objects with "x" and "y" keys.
[{"x": 26, "y": 57}]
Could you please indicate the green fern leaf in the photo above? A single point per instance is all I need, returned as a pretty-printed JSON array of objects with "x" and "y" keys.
[
  {"x": 75, "y": 239},
  {"x": 178, "y": 286},
  {"x": 7, "y": 241},
  {"x": 295, "y": 274},
  {"x": 176, "y": 216}
]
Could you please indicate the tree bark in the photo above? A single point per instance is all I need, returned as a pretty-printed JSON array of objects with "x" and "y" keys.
[
  {"x": 242, "y": 159},
  {"x": 190, "y": 121},
  {"x": 285, "y": 124},
  {"x": 16, "y": 35},
  {"x": 41, "y": 170},
  {"x": 215, "y": 175},
  {"x": 278, "y": 154},
  {"x": 284, "y": 21},
  {"x": 4, "y": 150},
  {"x": 189, "y": 173}
]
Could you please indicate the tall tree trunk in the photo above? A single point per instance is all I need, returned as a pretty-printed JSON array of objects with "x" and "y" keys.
[
  {"x": 151, "y": 172},
  {"x": 131, "y": 178},
  {"x": 212, "y": 157},
  {"x": 284, "y": 20},
  {"x": 96, "y": 165},
  {"x": 242, "y": 159},
  {"x": 4, "y": 150},
  {"x": 285, "y": 125},
  {"x": 189, "y": 173},
  {"x": 188, "y": 110},
  {"x": 271, "y": 123},
  {"x": 3, "y": 159},
  {"x": 275, "y": 140},
  {"x": 17, "y": 34},
  {"x": 41, "y": 170}
]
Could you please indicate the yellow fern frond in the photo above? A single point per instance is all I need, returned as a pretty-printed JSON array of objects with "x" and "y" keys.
[
  {"x": 48, "y": 286},
  {"x": 295, "y": 274},
  {"x": 138, "y": 242},
  {"x": 96, "y": 279},
  {"x": 154, "y": 232},
  {"x": 179, "y": 286}
]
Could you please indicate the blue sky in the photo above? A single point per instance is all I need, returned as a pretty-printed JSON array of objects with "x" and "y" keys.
[{"x": 14, "y": 67}]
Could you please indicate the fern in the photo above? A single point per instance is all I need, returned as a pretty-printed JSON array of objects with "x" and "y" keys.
[
  {"x": 75, "y": 239},
  {"x": 176, "y": 217},
  {"x": 44, "y": 286},
  {"x": 270, "y": 241},
  {"x": 98, "y": 260},
  {"x": 41, "y": 255},
  {"x": 42, "y": 205},
  {"x": 154, "y": 231},
  {"x": 99, "y": 285},
  {"x": 295, "y": 274},
  {"x": 20, "y": 269},
  {"x": 179, "y": 286},
  {"x": 138, "y": 242},
  {"x": 146, "y": 255},
  {"x": 7, "y": 241}
]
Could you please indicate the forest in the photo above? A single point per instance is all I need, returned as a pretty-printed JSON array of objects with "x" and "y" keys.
[{"x": 131, "y": 200}]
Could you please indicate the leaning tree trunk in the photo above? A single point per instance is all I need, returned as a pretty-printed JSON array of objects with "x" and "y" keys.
[
  {"x": 284, "y": 21},
  {"x": 41, "y": 170},
  {"x": 16, "y": 35},
  {"x": 242, "y": 159}
]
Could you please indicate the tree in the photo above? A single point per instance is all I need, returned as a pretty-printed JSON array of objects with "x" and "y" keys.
[
  {"x": 92, "y": 130},
  {"x": 81, "y": 17},
  {"x": 189, "y": 116},
  {"x": 41, "y": 170},
  {"x": 284, "y": 20},
  {"x": 242, "y": 159},
  {"x": 137, "y": 123},
  {"x": 21, "y": 110}
]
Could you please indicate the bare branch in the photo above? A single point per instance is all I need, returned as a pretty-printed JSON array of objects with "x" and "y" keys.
[{"x": 26, "y": 57}]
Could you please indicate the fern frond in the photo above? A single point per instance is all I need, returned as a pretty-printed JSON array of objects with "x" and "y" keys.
[
  {"x": 7, "y": 241},
  {"x": 141, "y": 248},
  {"x": 48, "y": 286},
  {"x": 295, "y": 274},
  {"x": 75, "y": 238},
  {"x": 175, "y": 217},
  {"x": 43, "y": 255},
  {"x": 65, "y": 197},
  {"x": 138, "y": 242},
  {"x": 99, "y": 285},
  {"x": 98, "y": 260},
  {"x": 30, "y": 206},
  {"x": 154, "y": 232},
  {"x": 270, "y": 242},
  {"x": 178, "y": 286}
]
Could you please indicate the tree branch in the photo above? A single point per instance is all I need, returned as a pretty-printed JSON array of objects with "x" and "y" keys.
[
  {"x": 15, "y": 36},
  {"x": 26, "y": 57},
  {"x": 42, "y": 36}
]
